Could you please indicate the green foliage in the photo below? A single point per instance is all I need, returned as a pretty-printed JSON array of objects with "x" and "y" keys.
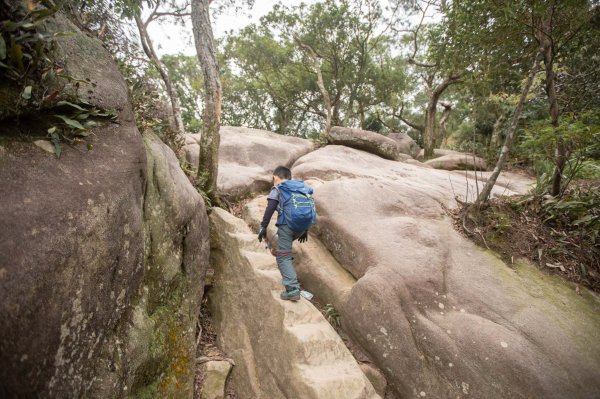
[
  {"x": 582, "y": 137},
  {"x": 577, "y": 214},
  {"x": 332, "y": 315},
  {"x": 26, "y": 49},
  {"x": 502, "y": 223},
  {"x": 75, "y": 122},
  {"x": 276, "y": 86},
  {"x": 150, "y": 109},
  {"x": 185, "y": 72},
  {"x": 25, "y": 43}
]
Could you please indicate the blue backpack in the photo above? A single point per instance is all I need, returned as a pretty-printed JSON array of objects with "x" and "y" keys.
[{"x": 296, "y": 205}]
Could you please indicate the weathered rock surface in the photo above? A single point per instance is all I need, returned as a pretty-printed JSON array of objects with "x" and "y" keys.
[
  {"x": 159, "y": 340},
  {"x": 457, "y": 162},
  {"x": 282, "y": 349},
  {"x": 101, "y": 254},
  {"x": 247, "y": 158},
  {"x": 396, "y": 148},
  {"x": 191, "y": 152},
  {"x": 217, "y": 372},
  {"x": 438, "y": 315},
  {"x": 376, "y": 377}
]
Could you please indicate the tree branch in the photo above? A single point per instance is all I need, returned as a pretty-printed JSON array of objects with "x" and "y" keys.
[
  {"x": 406, "y": 121},
  {"x": 327, "y": 100}
]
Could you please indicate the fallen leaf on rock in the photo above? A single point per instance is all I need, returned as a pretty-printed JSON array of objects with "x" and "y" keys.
[
  {"x": 45, "y": 145},
  {"x": 556, "y": 265}
]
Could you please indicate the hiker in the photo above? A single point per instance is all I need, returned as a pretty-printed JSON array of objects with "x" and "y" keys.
[{"x": 295, "y": 214}]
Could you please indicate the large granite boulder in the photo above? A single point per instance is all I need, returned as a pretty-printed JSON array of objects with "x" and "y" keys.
[
  {"x": 398, "y": 148},
  {"x": 459, "y": 161},
  {"x": 282, "y": 349},
  {"x": 101, "y": 253},
  {"x": 437, "y": 152},
  {"x": 247, "y": 158},
  {"x": 440, "y": 316},
  {"x": 453, "y": 160},
  {"x": 407, "y": 144}
]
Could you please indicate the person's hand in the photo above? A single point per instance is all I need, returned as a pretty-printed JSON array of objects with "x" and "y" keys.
[
  {"x": 303, "y": 237},
  {"x": 262, "y": 233}
]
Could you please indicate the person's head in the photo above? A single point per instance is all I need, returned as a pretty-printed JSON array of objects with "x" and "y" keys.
[{"x": 280, "y": 174}]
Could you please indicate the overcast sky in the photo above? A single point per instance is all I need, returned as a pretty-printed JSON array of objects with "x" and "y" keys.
[{"x": 171, "y": 39}]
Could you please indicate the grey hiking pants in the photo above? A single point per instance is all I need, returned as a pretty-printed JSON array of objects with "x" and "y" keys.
[{"x": 284, "y": 256}]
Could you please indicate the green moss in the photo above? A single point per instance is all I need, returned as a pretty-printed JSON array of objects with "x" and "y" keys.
[
  {"x": 562, "y": 294},
  {"x": 169, "y": 369}
]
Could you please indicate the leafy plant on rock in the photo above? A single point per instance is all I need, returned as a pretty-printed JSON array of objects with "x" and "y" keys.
[
  {"x": 75, "y": 124},
  {"x": 332, "y": 315},
  {"x": 27, "y": 64}
]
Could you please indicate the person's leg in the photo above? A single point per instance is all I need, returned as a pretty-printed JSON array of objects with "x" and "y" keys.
[{"x": 284, "y": 262}]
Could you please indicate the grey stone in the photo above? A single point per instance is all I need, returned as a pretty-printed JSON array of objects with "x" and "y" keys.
[{"x": 376, "y": 377}]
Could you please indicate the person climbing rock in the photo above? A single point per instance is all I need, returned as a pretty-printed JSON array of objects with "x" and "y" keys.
[{"x": 296, "y": 213}]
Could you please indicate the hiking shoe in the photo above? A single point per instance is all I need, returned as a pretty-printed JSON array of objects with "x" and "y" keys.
[{"x": 290, "y": 294}]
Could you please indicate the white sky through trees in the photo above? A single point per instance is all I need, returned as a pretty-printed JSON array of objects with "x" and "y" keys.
[{"x": 170, "y": 38}]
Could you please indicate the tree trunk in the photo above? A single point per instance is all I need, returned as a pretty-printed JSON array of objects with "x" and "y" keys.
[
  {"x": 361, "y": 112},
  {"x": 495, "y": 140},
  {"x": 326, "y": 98},
  {"x": 444, "y": 124},
  {"x": 560, "y": 153},
  {"x": 487, "y": 189},
  {"x": 282, "y": 120},
  {"x": 171, "y": 91},
  {"x": 429, "y": 132},
  {"x": 208, "y": 166}
]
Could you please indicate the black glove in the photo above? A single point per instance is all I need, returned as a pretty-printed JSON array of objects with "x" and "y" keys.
[
  {"x": 262, "y": 233},
  {"x": 303, "y": 237}
]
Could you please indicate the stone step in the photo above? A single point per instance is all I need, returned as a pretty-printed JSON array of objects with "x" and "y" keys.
[
  {"x": 319, "y": 344},
  {"x": 274, "y": 343},
  {"x": 260, "y": 260},
  {"x": 345, "y": 381}
]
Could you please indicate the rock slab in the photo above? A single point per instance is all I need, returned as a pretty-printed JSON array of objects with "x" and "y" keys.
[
  {"x": 437, "y": 314},
  {"x": 407, "y": 144}
]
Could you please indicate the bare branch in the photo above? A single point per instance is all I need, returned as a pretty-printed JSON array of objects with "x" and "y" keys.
[{"x": 172, "y": 14}]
